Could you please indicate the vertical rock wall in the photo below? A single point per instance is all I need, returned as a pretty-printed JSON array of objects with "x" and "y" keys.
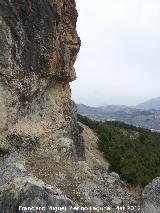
[{"x": 38, "y": 48}]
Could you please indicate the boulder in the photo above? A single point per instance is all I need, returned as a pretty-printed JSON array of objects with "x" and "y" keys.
[{"x": 151, "y": 197}]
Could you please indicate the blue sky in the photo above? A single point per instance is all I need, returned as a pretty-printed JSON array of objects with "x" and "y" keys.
[{"x": 119, "y": 58}]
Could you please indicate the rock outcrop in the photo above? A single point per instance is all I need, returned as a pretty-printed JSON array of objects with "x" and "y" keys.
[
  {"x": 39, "y": 45},
  {"x": 151, "y": 197},
  {"x": 38, "y": 49},
  {"x": 21, "y": 192}
]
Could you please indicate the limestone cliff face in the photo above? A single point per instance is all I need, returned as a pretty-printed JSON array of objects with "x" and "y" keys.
[{"x": 38, "y": 48}]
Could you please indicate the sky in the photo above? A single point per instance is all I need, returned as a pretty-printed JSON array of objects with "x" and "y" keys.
[{"x": 119, "y": 59}]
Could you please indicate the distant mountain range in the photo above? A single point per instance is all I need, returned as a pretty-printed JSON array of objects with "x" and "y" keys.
[
  {"x": 145, "y": 115},
  {"x": 150, "y": 104}
]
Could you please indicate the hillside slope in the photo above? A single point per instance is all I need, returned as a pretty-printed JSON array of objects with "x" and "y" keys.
[
  {"x": 149, "y": 199},
  {"x": 144, "y": 118},
  {"x": 94, "y": 157},
  {"x": 88, "y": 183},
  {"x": 132, "y": 152}
]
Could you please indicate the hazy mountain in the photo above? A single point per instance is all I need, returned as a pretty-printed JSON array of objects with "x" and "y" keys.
[
  {"x": 144, "y": 118},
  {"x": 150, "y": 104}
]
